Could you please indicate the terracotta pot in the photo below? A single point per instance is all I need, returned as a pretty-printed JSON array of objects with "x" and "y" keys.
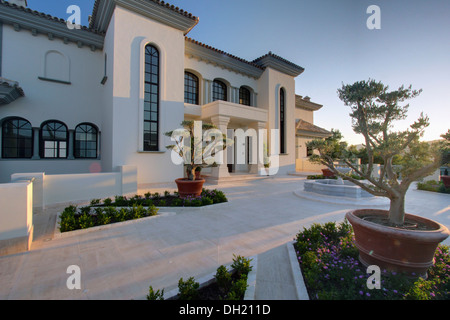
[
  {"x": 401, "y": 250},
  {"x": 327, "y": 173},
  {"x": 446, "y": 181},
  {"x": 189, "y": 188}
]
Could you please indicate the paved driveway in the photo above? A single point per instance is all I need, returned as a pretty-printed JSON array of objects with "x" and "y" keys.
[{"x": 122, "y": 261}]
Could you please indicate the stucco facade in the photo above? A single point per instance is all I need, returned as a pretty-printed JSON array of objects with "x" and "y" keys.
[{"x": 112, "y": 102}]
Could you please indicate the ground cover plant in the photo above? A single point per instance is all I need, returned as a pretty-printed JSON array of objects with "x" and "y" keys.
[
  {"x": 74, "y": 219},
  {"x": 102, "y": 212},
  {"x": 228, "y": 284},
  {"x": 166, "y": 199},
  {"x": 434, "y": 186},
  {"x": 329, "y": 262},
  {"x": 321, "y": 176}
]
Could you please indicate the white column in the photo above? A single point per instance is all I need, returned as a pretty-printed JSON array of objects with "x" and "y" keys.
[
  {"x": 221, "y": 122},
  {"x": 70, "y": 146},
  {"x": 36, "y": 150},
  {"x": 258, "y": 168},
  {"x": 207, "y": 92}
]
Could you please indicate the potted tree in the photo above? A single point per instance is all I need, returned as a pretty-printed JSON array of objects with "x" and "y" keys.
[
  {"x": 391, "y": 239},
  {"x": 196, "y": 153}
]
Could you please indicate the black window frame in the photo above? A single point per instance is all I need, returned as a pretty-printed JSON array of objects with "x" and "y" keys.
[
  {"x": 20, "y": 144},
  {"x": 57, "y": 148},
  {"x": 220, "y": 91},
  {"x": 191, "y": 88},
  {"x": 282, "y": 121},
  {"x": 80, "y": 151},
  {"x": 152, "y": 98},
  {"x": 245, "y": 96}
]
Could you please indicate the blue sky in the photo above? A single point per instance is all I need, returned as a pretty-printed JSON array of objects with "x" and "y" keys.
[{"x": 329, "y": 38}]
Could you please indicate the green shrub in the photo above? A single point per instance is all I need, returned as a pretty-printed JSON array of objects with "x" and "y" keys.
[
  {"x": 241, "y": 265},
  {"x": 155, "y": 295},
  {"x": 120, "y": 201},
  {"x": 68, "y": 221},
  {"x": 223, "y": 278},
  {"x": 207, "y": 201},
  {"x": 95, "y": 202},
  {"x": 177, "y": 202},
  {"x": 188, "y": 290},
  {"x": 85, "y": 221},
  {"x": 162, "y": 203},
  {"x": 101, "y": 217},
  {"x": 238, "y": 288}
]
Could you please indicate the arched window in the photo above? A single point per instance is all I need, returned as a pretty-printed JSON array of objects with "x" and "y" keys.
[
  {"x": 17, "y": 139},
  {"x": 191, "y": 88},
  {"x": 244, "y": 96},
  {"x": 219, "y": 91},
  {"x": 86, "y": 137},
  {"x": 151, "y": 101},
  {"x": 54, "y": 140},
  {"x": 282, "y": 121}
]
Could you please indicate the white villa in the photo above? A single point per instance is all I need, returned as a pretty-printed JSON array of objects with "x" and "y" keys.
[{"x": 91, "y": 100}]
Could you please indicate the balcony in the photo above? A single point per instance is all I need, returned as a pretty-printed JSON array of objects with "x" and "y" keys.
[{"x": 236, "y": 113}]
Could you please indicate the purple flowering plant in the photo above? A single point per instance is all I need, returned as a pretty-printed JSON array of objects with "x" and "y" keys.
[{"x": 329, "y": 262}]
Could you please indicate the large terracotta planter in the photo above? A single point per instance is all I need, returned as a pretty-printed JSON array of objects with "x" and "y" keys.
[
  {"x": 189, "y": 188},
  {"x": 446, "y": 181},
  {"x": 327, "y": 173},
  {"x": 401, "y": 250}
]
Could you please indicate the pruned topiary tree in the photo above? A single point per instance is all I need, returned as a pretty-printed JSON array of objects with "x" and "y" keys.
[{"x": 374, "y": 112}]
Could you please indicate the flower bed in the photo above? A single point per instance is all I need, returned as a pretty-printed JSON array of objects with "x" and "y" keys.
[
  {"x": 434, "y": 186},
  {"x": 207, "y": 197},
  {"x": 108, "y": 211},
  {"x": 226, "y": 285},
  {"x": 329, "y": 262}
]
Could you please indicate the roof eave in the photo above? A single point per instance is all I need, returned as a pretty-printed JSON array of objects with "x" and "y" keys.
[
  {"x": 9, "y": 91},
  {"x": 156, "y": 10},
  {"x": 280, "y": 64},
  {"x": 39, "y": 23},
  {"x": 208, "y": 54},
  {"x": 312, "y": 134}
]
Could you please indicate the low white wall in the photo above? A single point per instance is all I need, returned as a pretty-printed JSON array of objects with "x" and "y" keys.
[
  {"x": 303, "y": 164},
  {"x": 61, "y": 188},
  {"x": 16, "y": 217}
]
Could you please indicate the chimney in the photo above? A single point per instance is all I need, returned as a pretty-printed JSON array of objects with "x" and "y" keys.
[{"x": 20, "y": 3}]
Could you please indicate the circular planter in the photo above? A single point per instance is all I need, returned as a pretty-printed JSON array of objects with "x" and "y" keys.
[
  {"x": 396, "y": 249},
  {"x": 189, "y": 188},
  {"x": 446, "y": 181}
]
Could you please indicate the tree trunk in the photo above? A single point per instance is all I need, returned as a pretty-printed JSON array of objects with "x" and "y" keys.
[{"x": 397, "y": 210}]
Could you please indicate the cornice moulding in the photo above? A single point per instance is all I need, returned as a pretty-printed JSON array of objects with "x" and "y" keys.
[
  {"x": 145, "y": 8},
  {"x": 212, "y": 57},
  {"x": 20, "y": 19}
]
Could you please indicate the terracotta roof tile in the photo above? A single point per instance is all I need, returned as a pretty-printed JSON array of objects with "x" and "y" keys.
[
  {"x": 223, "y": 52},
  {"x": 161, "y": 3},
  {"x": 40, "y": 14},
  {"x": 303, "y": 125}
]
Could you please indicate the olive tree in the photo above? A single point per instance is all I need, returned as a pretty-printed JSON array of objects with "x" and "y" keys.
[
  {"x": 374, "y": 111},
  {"x": 197, "y": 144}
]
